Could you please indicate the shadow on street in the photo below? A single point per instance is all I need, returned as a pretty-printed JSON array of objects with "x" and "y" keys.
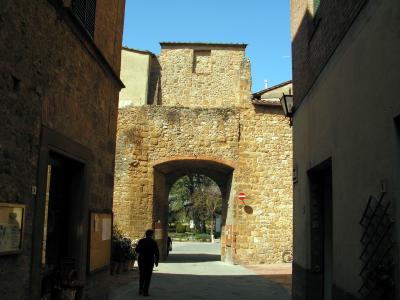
[
  {"x": 190, "y": 258},
  {"x": 195, "y": 271}
]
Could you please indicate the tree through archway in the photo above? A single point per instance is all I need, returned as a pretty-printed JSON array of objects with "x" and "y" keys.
[
  {"x": 195, "y": 207},
  {"x": 169, "y": 172}
]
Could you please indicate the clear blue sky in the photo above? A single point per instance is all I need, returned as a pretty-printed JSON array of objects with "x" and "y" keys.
[{"x": 262, "y": 24}]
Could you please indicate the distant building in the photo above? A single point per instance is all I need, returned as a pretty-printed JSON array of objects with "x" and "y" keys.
[
  {"x": 346, "y": 140},
  {"x": 59, "y": 86},
  {"x": 271, "y": 96},
  {"x": 135, "y": 68}
]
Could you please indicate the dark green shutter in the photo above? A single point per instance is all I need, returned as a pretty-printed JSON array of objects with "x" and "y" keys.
[
  {"x": 316, "y": 5},
  {"x": 85, "y": 11}
]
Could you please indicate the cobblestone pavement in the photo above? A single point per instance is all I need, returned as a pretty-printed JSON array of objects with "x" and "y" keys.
[{"x": 193, "y": 271}]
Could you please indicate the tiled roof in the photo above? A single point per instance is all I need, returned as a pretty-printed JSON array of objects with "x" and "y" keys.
[
  {"x": 137, "y": 50},
  {"x": 258, "y": 94},
  {"x": 267, "y": 102}
]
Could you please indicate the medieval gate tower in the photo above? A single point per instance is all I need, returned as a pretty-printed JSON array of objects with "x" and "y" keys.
[{"x": 189, "y": 109}]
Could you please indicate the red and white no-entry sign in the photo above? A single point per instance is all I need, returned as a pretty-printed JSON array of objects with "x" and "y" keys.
[{"x": 242, "y": 196}]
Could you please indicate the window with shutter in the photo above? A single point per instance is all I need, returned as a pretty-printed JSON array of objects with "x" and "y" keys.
[
  {"x": 313, "y": 6},
  {"x": 85, "y": 11},
  {"x": 316, "y": 5}
]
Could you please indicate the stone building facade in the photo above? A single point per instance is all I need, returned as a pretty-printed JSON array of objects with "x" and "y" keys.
[
  {"x": 200, "y": 117},
  {"x": 346, "y": 129},
  {"x": 59, "y": 86}
]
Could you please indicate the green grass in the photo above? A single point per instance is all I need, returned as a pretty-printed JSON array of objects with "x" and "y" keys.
[{"x": 190, "y": 236}]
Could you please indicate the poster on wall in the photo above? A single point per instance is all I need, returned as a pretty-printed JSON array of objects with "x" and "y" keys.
[
  {"x": 106, "y": 229},
  {"x": 11, "y": 228},
  {"x": 100, "y": 240}
]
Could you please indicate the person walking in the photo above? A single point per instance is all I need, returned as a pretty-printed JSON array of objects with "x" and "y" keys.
[
  {"x": 148, "y": 257},
  {"x": 169, "y": 245}
]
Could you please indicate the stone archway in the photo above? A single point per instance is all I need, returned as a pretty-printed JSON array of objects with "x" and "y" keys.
[
  {"x": 168, "y": 172},
  {"x": 201, "y": 117}
]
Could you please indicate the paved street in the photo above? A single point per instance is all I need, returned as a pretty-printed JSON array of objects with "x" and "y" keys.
[{"x": 193, "y": 271}]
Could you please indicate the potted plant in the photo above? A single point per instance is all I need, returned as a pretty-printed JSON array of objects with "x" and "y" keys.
[
  {"x": 128, "y": 253},
  {"x": 116, "y": 250},
  {"x": 123, "y": 252}
]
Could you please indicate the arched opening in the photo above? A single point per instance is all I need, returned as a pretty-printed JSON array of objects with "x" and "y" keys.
[
  {"x": 195, "y": 209},
  {"x": 166, "y": 174}
]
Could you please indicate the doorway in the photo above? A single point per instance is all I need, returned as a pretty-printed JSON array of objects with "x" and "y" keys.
[
  {"x": 397, "y": 210},
  {"x": 63, "y": 227},
  {"x": 321, "y": 225}
]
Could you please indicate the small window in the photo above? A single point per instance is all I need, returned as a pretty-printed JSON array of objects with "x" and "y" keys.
[
  {"x": 202, "y": 62},
  {"x": 85, "y": 11}
]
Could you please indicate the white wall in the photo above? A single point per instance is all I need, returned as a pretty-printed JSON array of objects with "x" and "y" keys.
[
  {"x": 348, "y": 115},
  {"x": 135, "y": 70}
]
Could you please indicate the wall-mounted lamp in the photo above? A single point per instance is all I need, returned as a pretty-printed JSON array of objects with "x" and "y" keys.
[{"x": 287, "y": 106}]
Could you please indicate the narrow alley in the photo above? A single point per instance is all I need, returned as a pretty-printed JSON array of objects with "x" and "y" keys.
[
  {"x": 194, "y": 271},
  {"x": 261, "y": 137}
]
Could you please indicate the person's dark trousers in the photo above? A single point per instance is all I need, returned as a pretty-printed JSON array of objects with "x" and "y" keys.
[{"x": 145, "y": 270}]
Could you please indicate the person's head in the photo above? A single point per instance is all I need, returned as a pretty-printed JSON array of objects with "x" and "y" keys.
[{"x": 149, "y": 233}]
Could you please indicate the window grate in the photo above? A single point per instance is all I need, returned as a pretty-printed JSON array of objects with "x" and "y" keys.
[
  {"x": 377, "y": 258},
  {"x": 85, "y": 11}
]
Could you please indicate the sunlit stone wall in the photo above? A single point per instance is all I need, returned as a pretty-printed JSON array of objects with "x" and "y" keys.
[{"x": 204, "y": 111}]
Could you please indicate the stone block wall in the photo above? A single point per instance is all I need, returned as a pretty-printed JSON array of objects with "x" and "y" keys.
[
  {"x": 257, "y": 140},
  {"x": 151, "y": 134},
  {"x": 264, "y": 174},
  {"x": 109, "y": 16},
  {"x": 52, "y": 76},
  {"x": 208, "y": 116},
  {"x": 215, "y": 82}
]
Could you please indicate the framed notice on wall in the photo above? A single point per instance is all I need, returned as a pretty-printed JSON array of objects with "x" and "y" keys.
[
  {"x": 100, "y": 240},
  {"x": 11, "y": 227}
]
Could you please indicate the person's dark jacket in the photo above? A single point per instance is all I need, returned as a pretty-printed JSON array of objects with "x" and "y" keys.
[{"x": 148, "y": 251}]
